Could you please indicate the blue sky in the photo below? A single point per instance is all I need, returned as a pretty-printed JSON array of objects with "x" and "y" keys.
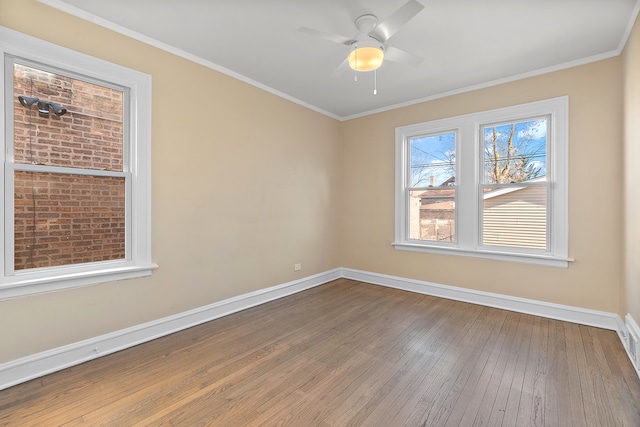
[
  {"x": 530, "y": 141},
  {"x": 435, "y": 155},
  {"x": 432, "y": 155}
]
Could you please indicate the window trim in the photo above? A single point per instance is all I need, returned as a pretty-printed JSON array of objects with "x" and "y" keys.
[
  {"x": 138, "y": 134},
  {"x": 468, "y": 202}
]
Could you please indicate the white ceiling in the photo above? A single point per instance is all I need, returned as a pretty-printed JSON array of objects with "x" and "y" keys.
[{"x": 465, "y": 43}]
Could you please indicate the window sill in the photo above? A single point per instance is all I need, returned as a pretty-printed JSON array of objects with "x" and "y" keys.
[
  {"x": 17, "y": 286},
  {"x": 545, "y": 260}
]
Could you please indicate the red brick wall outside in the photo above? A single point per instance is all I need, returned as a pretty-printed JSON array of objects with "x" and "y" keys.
[{"x": 62, "y": 219}]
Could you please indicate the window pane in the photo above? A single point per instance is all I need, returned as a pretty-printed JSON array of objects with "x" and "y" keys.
[
  {"x": 433, "y": 160},
  {"x": 432, "y": 215},
  {"x": 515, "y": 152},
  {"x": 515, "y": 216},
  {"x": 89, "y": 135},
  {"x": 63, "y": 219}
]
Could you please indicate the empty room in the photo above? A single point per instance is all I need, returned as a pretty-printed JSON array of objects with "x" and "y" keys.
[{"x": 320, "y": 213}]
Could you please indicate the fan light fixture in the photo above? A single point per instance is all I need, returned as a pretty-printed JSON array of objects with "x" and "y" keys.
[
  {"x": 366, "y": 58},
  {"x": 369, "y": 47}
]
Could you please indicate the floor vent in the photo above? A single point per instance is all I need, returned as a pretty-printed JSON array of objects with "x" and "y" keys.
[
  {"x": 633, "y": 348},
  {"x": 632, "y": 341}
]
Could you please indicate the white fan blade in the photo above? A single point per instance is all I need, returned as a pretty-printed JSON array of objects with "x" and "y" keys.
[
  {"x": 342, "y": 68},
  {"x": 400, "y": 56},
  {"x": 337, "y": 38},
  {"x": 400, "y": 17}
]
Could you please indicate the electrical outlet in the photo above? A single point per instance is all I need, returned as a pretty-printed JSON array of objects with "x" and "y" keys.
[{"x": 297, "y": 267}]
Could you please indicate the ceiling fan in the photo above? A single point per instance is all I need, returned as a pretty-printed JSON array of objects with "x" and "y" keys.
[{"x": 369, "y": 47}]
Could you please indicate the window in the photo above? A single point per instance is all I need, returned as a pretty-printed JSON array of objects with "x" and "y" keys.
[
  {"x": 490, "y": 184},
  {"x": 76, "y": 169}
]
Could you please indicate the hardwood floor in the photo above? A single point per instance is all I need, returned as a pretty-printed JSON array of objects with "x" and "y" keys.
[{"x": 348, "y": 354}]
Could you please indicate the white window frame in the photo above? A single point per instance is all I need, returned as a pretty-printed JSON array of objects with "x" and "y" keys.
[
  {"x": 468, "y": 179},
  {"x": 137, "y": 261}
]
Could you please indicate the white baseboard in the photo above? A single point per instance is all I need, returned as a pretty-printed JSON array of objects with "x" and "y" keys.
[
  {"x": 600, "y": 319},
  {"x": 37, "y": 365},
  {"x": 40, "y": 364}
]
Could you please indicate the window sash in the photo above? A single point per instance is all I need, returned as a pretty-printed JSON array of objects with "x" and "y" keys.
[
  {"x": 11, "y": 168},
  {"x": 509, "y": 223},
  {"x": 127, "y": 113},
  {"x": 514, "y": 122},
  {"x": 435, "y": 241}
]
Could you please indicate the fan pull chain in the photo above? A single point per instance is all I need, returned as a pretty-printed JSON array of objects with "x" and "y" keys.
[
  {"x": 355, "y": 70},
  {"x": 375, "y": 82}
]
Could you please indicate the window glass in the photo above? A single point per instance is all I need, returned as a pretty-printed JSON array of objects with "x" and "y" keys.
[
  {"x": 515, "y": 152},
  {"x": 62, "y": 217},
  {"x": 515, "y": 216},
  {"x": 88, "y": 135},
  {"x": 514, "y": 212},
  {"x": 432, "y": 191},
  {"x": 433, "y": 160},
  {"x": 433, "y": 215}
]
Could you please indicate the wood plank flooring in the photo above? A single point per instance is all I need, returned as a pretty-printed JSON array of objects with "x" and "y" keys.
[{"x": 348, "y": 354}]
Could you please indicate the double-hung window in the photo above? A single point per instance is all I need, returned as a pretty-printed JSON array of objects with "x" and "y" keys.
[
  {"x": 75, "y": 169},
  {"x": 491, "y": 184}
]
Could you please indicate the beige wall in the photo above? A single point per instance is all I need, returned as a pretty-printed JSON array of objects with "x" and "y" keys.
[
  {"x": 631, "y": 61},
  {"x": 595, "y": 195},
  {"x": 245, "y": 184}
]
